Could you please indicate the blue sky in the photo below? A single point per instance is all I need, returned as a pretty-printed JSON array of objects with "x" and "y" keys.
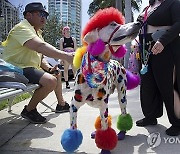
[{"x": 85, "y": 5}]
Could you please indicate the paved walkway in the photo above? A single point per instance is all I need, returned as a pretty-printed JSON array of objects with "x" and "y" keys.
[{"x": 18, "y": 136}]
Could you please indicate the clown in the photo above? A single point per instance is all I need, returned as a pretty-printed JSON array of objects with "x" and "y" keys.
[{"x": 98, "y": 76}]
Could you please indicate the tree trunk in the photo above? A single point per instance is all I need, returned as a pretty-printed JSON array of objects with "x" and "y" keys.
[
  {"x": 119, "y": 5},
  {"x": 128, "y": 18}
]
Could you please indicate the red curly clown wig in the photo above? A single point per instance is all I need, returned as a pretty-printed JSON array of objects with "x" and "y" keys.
[{"x": 102, "y": 18}]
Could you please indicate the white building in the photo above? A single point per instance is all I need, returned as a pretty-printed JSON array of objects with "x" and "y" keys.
[
  {"x": 10, "y": 17},
  {"x": 68, "y": 13}
]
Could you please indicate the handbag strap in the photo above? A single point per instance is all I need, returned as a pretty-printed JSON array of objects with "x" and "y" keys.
[{"x": 144, "y": 32}]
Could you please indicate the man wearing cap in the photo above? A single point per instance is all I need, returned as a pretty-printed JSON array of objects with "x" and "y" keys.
[{"x": 25, "y": 47}]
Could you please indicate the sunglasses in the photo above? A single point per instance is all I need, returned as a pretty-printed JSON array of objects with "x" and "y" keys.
[{"x": 41, "y": 14}]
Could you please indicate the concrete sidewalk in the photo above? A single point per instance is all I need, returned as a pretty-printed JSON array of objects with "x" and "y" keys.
[{"x": 19, "y": 136}]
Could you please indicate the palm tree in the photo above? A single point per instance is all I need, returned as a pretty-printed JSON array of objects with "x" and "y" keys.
[{"x": 100, "y": 4}]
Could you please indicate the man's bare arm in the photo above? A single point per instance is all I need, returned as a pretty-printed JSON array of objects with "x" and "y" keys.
[{"x": 38, "y": 45}]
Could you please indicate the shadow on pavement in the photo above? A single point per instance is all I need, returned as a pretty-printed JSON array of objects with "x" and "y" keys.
[{"x": 12, "y": 126}]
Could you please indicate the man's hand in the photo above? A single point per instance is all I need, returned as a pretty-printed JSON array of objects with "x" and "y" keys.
[
  {"x": 157, "y": 48},
  {"x": 55, "y": 70}
]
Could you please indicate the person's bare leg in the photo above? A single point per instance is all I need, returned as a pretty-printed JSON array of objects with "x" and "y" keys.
[
  {"x": 48, "y": 83},
  {"x": 58, "y": 91},
  {"x": 66, "y": 68}
]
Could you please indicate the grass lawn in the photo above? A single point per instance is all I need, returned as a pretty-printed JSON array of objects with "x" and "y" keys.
[{"x": 4, "y": 103}]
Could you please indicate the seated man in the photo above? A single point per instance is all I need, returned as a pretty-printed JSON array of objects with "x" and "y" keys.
[{"x": 25, "y": 48}]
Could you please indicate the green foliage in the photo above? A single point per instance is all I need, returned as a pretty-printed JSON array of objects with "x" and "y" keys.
[
  {"x": 52, "y": 31},
  {"x": 101, "y": 4},
  {"x": 4, "y": 104}
]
